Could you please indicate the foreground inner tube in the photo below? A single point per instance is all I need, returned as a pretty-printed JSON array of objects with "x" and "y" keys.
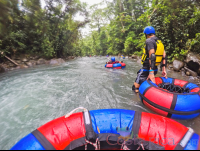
[
  {"x": 116, "y": 65},
  {"x": 172, "y": 98},
  {"x": 110, "y": 129}
]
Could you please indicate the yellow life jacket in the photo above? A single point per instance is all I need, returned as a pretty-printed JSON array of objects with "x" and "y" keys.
[{"x": 159, "y": 53}]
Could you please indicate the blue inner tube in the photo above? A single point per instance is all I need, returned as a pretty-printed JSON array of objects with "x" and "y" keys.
[{"x": 116, "y": 65}]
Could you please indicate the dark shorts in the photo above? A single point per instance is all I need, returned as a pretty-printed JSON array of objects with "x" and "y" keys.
[{"x": 143, "y": 74}]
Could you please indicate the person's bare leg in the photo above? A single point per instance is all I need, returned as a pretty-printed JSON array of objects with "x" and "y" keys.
[{"x": 137, "y": 86}]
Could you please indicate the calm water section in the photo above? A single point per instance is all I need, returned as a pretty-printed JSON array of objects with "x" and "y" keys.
[{"x": 31, "y": 97}]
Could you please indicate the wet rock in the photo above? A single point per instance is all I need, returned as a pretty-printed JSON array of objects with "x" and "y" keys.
[
  {"x": 11, "y": 65},
  {"x": 18, "y": 67},
  {"x": 36, "y": 57},
  {"x": 193, "y": 79},
  {"x": 188, "y": 73},
  {"x": 134, "y": 57},
  {"x": 11, "y": 69},
  {"x": 33, "y": 62},
  {"x": 183, "y": 69},
  {"x": 5, "y": 66},
  {"x": 29, "y": 64},
  {"x": 60, "y": 60},
  {"x": 170, "y": 66},
  {"x": 22, "y": 66},
  {"x": 177, "y": 65},
  {"x": 24, "y": 60},
  {"x": 194, "y": 74},
  {"x": 71, "y": 57},
  {"x": 193, "y": 62},
  {"x": 2, "y": 69},
  {"x": 183, "y": 73},
  {"x": 40, "y": 61},
  {"x": 47, "y": 62},
  {"x": 18, "y": 61},
  {"x": 54, "y": 62}
]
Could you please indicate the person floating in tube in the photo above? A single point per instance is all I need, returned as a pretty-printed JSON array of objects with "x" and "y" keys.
[
  {"x": 112, "y": 61},
  {"x": 153, "y": 55}
]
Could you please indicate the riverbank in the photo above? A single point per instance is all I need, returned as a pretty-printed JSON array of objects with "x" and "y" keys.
[
  {"x": 190, "y": 67},
  {"x": 23, "y": 61}
]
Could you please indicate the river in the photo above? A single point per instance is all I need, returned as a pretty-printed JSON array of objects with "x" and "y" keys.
[{"x": 31, "y": 97}]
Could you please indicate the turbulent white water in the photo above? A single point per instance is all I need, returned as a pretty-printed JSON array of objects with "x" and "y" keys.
[{"x": 31, "y": 97}]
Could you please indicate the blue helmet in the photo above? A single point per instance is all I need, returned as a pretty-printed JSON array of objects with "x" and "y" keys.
[
  {"x": 149, "y": 30},
  {"x": 113, "y": 59}
]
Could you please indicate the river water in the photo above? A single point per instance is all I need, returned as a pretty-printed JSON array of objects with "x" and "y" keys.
[{"x": 31, "y": 97}]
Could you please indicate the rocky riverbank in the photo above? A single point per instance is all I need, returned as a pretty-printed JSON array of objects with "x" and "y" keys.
[{"x": 30, "y": 61}]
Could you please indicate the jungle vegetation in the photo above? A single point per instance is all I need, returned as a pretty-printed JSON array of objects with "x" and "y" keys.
[
  {"x": 49, "y": 32},
  {"x": 115, "y": 29}
]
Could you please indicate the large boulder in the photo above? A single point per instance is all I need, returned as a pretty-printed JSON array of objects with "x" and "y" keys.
[
  {"x": 193, "y": 62},
  {"x": 40, "y": 61},
  {"x": 178, "y": 65}
]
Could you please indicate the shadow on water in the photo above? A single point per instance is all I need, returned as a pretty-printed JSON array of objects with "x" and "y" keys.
[{"x": 31, "y": 97}]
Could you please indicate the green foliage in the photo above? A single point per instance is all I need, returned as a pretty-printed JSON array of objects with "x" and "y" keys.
[
  {"x": 176, "y": 23},
  {"x": 138, "y": 53},
  {"x": 48, "y": 32},
  {"x": 122, "y": 32},
  {"x": 194, "y": 44},
  {"x": 116, "y": 29}
]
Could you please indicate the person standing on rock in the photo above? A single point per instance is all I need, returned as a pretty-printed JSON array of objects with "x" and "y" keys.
[{"x": 153, "y": 55}]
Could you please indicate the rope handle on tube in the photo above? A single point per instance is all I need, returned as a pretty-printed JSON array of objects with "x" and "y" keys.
[{"x": 73, "y": 111}]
